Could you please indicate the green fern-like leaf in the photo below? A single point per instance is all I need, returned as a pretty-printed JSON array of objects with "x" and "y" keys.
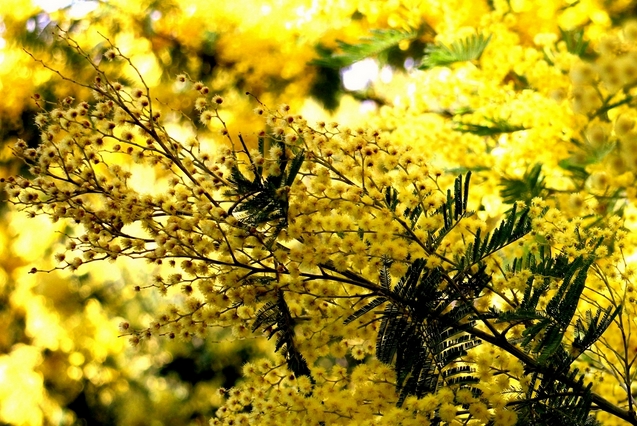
[
  {"x": 276, "y": 320},
  {"x": 550, "y": 401},
  {"x": 378, "y": 42},
  {"x": 495, "y": 127},
  {"x": 587, "y": 333},
  {"x": 365, "y": 309},
  {"x": 384, "y": 278},
  {"x": 393, "y": 324},
  {"x": 575, "y": 42},
  {"x": 468, "y": 49},
  {"x": 542, "y": 264},
  {"x": 531, "y": 185},
  {"x": 263, "y": 200},
  {"x": 455, "y": 208},
  {"x": 545, "y": 329},
  {"x": 563, "y": 305},
  {"x": 510, "y": 230},
  {"x": 422, "y": 337}
]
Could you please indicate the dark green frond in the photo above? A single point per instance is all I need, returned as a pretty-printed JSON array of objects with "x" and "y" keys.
[
  {"x": 263, "y": 200},
  {"x": 545, "y": 264},
  {"x": 362, "y": 311},
  {"x": 531, "y": 185},
  {"x": 467, "y": 49},
  {"x": 267, "y": 316},
  {"x": 549, "y": 401},
  {"x": 455, "y": 207},
  {"x": 563, "y": 305},
  {"x": 587, "y": 333},
  {"x": 550, "y": 343},
  {"x": 575, "y": 167},
  {"x": 393, "y": 324},
  {"x": 419, "y": 377},
  {"x": 276, "y": 320},
  {"x": 460, "y": 376},
  {"x": 510, "y": 230},
  {"x": 520, "y": 316},
  {"x": 451, "y": 350},
  {"x": 422, "y": 337},
  {"x": 575, "y": 42},
  {"x": 384, "y": 276},
  {"x": 295, "y": 166},
  {"x": 407, "y": 284},
  {"x": 545, "y": 329},
  {"x": 379, "y": 42},
  {"x": 495, "y": 127}
]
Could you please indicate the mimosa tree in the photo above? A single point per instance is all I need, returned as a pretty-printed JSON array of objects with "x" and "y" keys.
[{"x": 463, "y": 256}]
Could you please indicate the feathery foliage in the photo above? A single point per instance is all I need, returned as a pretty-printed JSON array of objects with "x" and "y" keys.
[
  {"x": 524, "y": 189},
  {"x": 275, "y": 318},
  {"x": 575, "y": 42},
  {"x": 454, "y": 209},
  {"x": 510, "y": 230},
  {"x": 422, "y": 338},
  {"x": 496, "y": 127},
  {"x": 264, "y": 199},
  {"x": 563, "y": 402},
  {"x": 379, "y": 42},
  {"x": 467, "y": 49}
]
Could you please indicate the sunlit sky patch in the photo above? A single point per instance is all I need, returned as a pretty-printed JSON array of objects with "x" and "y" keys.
[
  {"x": 359, "y": 75},
  {"x": 78, "y": 8}
]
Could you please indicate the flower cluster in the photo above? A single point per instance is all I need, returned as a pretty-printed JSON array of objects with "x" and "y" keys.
[{"x": 386, "y": 296}]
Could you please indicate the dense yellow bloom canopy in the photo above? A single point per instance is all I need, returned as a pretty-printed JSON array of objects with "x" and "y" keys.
[{"x": 448, "y": 242}]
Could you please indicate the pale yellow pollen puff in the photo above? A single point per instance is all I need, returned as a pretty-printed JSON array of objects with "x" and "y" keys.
[
  {"x": 447, "y": 412},
  {"x": 610, "y": 73},
  {"x": 608, "y": 45},
  {"x": 576, "y": 201},
  {"x": 484, "y": 360},
  {"x": 504, "y": 417},
  {"x": 516, "y": 369},
  {"x": 630, "y": 31},
  {"x": 582, "y": 73},
  {"x": 445, "y": 395},
  {"x": 206, "y": 116},
  {"x": 596, "y": 135},
  {"x": 201, "y": 103},
  {"x": 599, "y": 180},
  {"x": 623, "y": 125},
  {"x": 465, "y": 396},
  {"x": 480, "y": 411},
  {"x": 601, "y": 251},
  {"x": 428, "y": 403},
  {"x": 585, "y": 99}
]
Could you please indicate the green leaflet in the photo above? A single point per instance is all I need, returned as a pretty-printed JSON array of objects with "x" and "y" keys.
[
  {"x": 467, "y": 49},
  {"x": 565, "y": 402},
  {"x": 575, "y": 42},
  {"x": 589, "y": 331},
  {"x": 514, "y": 227},
  {"x": 423, "y": 339},
  {"x": 379, "y": 42},
  {"x": 263, "y": 200},
  {"x": 455, "y": 207},
  {"x": 276, "y": 320},
  {"x": 496, "y": 127},
  {"x": 531, "y": 185}
]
